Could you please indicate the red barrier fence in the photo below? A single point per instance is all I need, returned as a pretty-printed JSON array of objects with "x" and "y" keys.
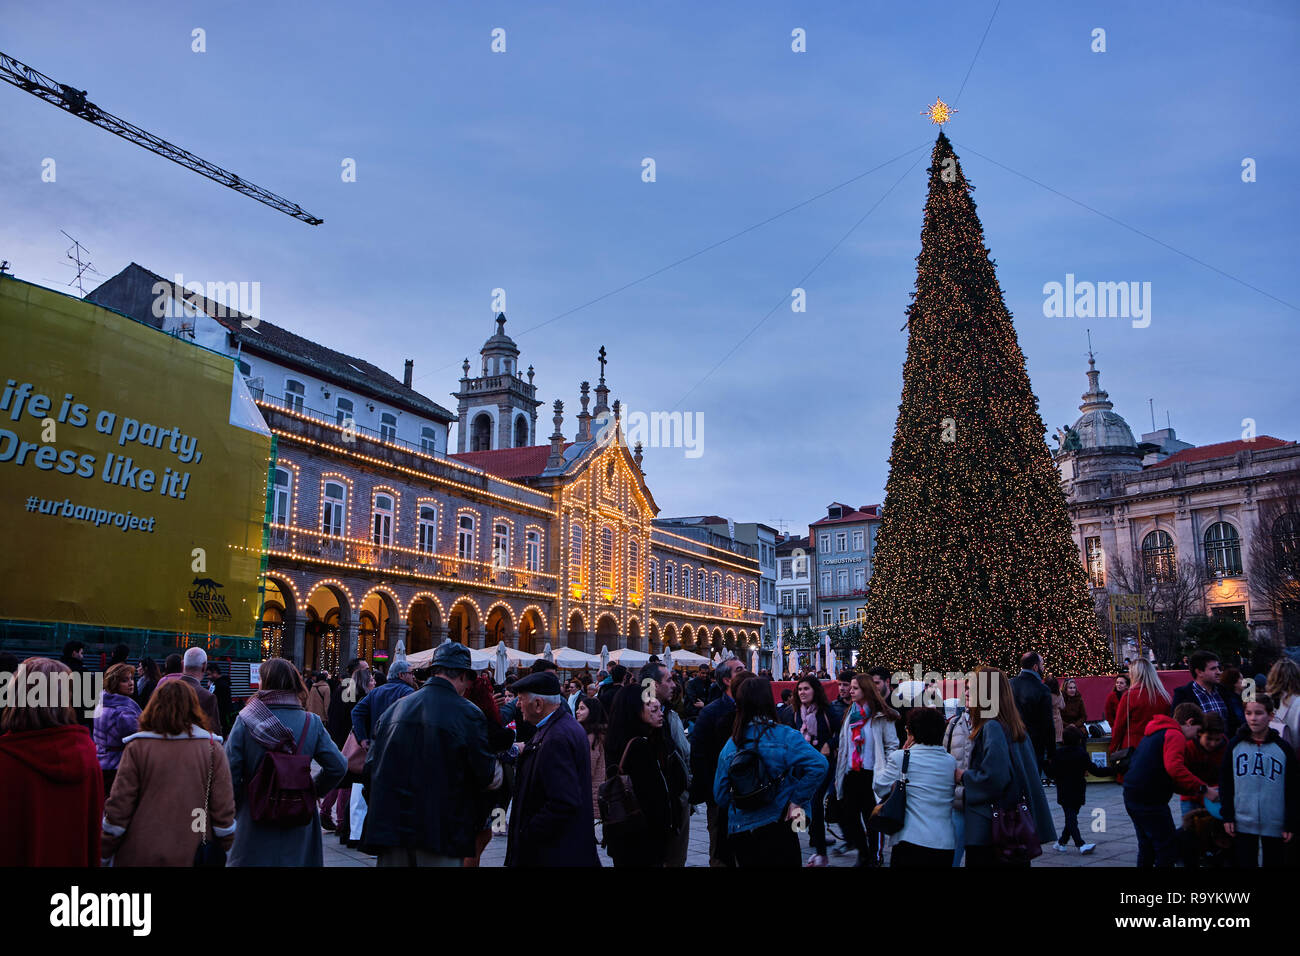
[{"x": 1093, "y": 689}]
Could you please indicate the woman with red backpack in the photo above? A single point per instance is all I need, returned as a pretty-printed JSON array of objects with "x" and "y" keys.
[{"x": 270, "y": 749}]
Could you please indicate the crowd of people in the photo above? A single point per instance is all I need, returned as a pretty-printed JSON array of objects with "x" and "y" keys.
[{"x": 427, "y": 768}]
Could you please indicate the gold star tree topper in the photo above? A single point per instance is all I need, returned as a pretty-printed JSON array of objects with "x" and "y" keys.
[{"x": 939, "y": 113}]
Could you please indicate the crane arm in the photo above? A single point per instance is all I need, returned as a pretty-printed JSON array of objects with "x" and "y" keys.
[{"x": 74, "y": 101}]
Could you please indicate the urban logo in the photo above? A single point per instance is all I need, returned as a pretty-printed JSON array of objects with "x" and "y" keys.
[
  {"x": 1099, "y": 300},
  {"x": 77, "y": 909},
  {"x": 207, "y": 599},
  {"x": 234, "y": 300}
]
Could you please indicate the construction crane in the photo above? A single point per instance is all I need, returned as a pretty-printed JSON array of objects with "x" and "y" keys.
[{"x": 74, "y": 101}]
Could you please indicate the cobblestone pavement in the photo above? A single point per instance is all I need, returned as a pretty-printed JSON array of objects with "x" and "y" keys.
[{"x": 1102, "y": 820}]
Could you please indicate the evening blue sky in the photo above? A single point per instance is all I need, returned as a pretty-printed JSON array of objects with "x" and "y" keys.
[{"x": 523, "y": 170}]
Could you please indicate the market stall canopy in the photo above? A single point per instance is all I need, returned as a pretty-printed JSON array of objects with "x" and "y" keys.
[
  {"x": 481, "y": 657},
  {"x": 687, "y": 659},
  {"x": 569, "y": 657},
  {"x": 628, "y": 657}
]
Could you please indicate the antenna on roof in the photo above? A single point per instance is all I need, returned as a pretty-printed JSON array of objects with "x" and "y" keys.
[
  {"x": 74, "y": 253},
  {"x": 1152, "y": 403}
]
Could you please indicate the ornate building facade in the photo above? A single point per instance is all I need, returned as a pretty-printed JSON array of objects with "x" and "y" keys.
[
  {"x": 378, "y": 535},
  {"x": 1166, "y": 510}
]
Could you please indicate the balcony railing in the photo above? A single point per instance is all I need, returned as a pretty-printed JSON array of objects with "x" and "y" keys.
[
  {"x": 295, "y": 542},
  {"x": 279, "y": 402},
  {"x": 672, "y": 602}
]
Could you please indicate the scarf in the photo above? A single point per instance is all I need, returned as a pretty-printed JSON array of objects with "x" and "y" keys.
[
  {"x": 263, "y": 726},
  {"x": 857, "y": 727}
]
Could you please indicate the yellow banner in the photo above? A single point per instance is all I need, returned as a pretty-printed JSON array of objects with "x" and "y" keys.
[{"x": 127, "y": 497}]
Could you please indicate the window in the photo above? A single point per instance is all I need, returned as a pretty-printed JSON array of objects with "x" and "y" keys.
[
  {"x": 500, "y": 545},
  {"x": 533, "y": 547},
  {"x": 670, "y": 578},
  {"x": 753, "y": 595},
  {"x": 633, "y": 564},
  {"x": 862, "y": 616},
  {"x": 702, "y": 582},
  {"x": 841, "y": 541},
  {"x": 465, "y": 537},
  {"x": 1096, "y": 562},
  {"x": 575, "y": 548},
  {"x": 1222, "y": 550},
  {"x": 1158, "y": 556},
  {"x": 294, "y": 392},
  {"x": 801, "y": 563},
  {"x": 842, "y": 581},
  {"x": 787, "y": 601},
  {"x": 343, "y": 411},
  {"x": 382, "y": 520},
  {"x": 607, "y": 555},
  {"x": 803, "y": 601},
  {"x": 388, "y": 427},
  {"x": 688, "y": 578},
  {"x": 844, "y": 615},
  {"x": 826, "y": 616},
  {"x": 824, "y": 542},
  {"x": 826, "y": 582},
  {"x": 334, "y": 509},
  {"x": 521, "y": 432},
  {"x": 427, "y": 534},
  {"x": 859, "y": 579},
  {"x": 785, "y": 568},
  {"x": 717, "y": 588},
  {"x": 428, "y": 441},
  {"x": 1286, "y": 542},
  {"x": 283, "y": 496},
  {"x": 654, "y": 574}
]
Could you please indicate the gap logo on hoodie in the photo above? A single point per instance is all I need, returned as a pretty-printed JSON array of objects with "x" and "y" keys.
[{"x": 1259, "y": 764}]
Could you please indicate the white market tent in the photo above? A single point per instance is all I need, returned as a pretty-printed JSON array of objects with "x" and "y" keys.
[
  {"x": 570, "y": 658},
  {"x": 628, "y": 657},
  {"x": 482, "y": 658},
  {"x": 687, "y": 659}
]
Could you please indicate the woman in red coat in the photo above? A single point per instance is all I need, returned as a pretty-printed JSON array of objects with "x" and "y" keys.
[
  {"x": 1145, "y": 699},
  {"x": 1111, "y": 707},
  {"x": 52, "y": 795}
]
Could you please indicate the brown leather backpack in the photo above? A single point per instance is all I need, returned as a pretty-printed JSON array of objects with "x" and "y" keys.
[{"x": 281, "y": 792}]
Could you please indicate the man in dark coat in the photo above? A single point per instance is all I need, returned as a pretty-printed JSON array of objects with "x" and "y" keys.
[
  {"x": 551, "y": 822},
  {"x": 430, "y": 769},
  {"x": 711, "y": 732},
  {"x": 1206, "y": 692},
  {"x": 1034, "y": 701}
]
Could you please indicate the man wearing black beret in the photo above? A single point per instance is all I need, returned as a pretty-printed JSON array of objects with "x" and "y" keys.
[{"x": 551, "y": 821}]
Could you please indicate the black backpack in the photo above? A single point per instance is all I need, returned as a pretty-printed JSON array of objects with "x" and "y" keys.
[{"x": 752, "y": 784}]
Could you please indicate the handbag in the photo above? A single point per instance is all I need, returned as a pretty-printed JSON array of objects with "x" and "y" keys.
[
  {"x": 889, "y": 815},
  {"x": 619, "y": 808},
  {"x": 355, "y": 755},
  {"x": 209, "y": 854},
  {"x": 1015, "y": 834}
]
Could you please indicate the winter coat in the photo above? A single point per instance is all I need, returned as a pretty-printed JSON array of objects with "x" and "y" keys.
[
  {"x": 1000, "y": 771},
  {"x": 430, "y": 768},
  {"x": 117, "y": 718},
  {"x": 1158, "y": 767},
  {"x": 1058, "y": 723},
  {"x": 365, "y": 716},
  {"x": 260, "y": 844},
  {"x": 1135, "y": 712},
  {"x": 1034, "y": 701},
  {"x": 1070, "y": 772},
  {"x": 596, "y": 753},
  {"x": 551, "y": 819},
  {"x": 956, "y": 740},
  {"x": 1111, "y": 707},
  {"x": 339, "y": 721},
  {"x": 928, "y": 817},
  {"x": 51, "y": 798},
  {"x": 712, "y": 730},
  {"x": 648, "y": 769},
  {"x": 207, "y": 700},
  {"x": 884, "y": 741},
  {"x": 783, "y": 751},
  {"x": 1074, "y": 714},
  {"x": 1288, "y": 715},
  {"x": 149, "y": 817},
  {"x": 1234, "y": 715},
  {"x": 318, "y": 700},
  {"x": 1260, "y": 785}
]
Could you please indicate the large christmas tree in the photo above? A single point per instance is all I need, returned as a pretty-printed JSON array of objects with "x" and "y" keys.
[{"x": 975, "y": 562}]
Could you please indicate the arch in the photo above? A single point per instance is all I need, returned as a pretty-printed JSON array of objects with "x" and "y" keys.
[
  {"x": 376, "y": 630},
  {"x": 688, "y": 635},
  {"x": 326, "y": 637},
  {"x": 521, "y": 431},
  {"x": 729, "y": 639},
  {"x": 1222, "y": 550},
  {"x": 607, "y": 633},
  {"x": 480, "y": 432},
  {"x": 1159, "y": 555},
  {"x": 278, "y": 617},
  {"x": 716, "y": 642},
  {"x": 577, "y": 633},
  {"x": 424, "y": 622},
  {"x": 670, "y": 635},
  {"x": 634, "y": 634},
  {"x": 532, "y": 630},
  {"x": 464, "y": 620},
  {"x": 500, "y": 625},
  {"x": 653, "y": 637}
]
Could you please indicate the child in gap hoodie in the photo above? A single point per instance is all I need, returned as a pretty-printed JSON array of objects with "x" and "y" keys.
[{"x": 1261, "y": 788}]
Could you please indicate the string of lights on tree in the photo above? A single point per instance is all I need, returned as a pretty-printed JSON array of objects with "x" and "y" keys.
[{"x": 975, "y": 561}]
